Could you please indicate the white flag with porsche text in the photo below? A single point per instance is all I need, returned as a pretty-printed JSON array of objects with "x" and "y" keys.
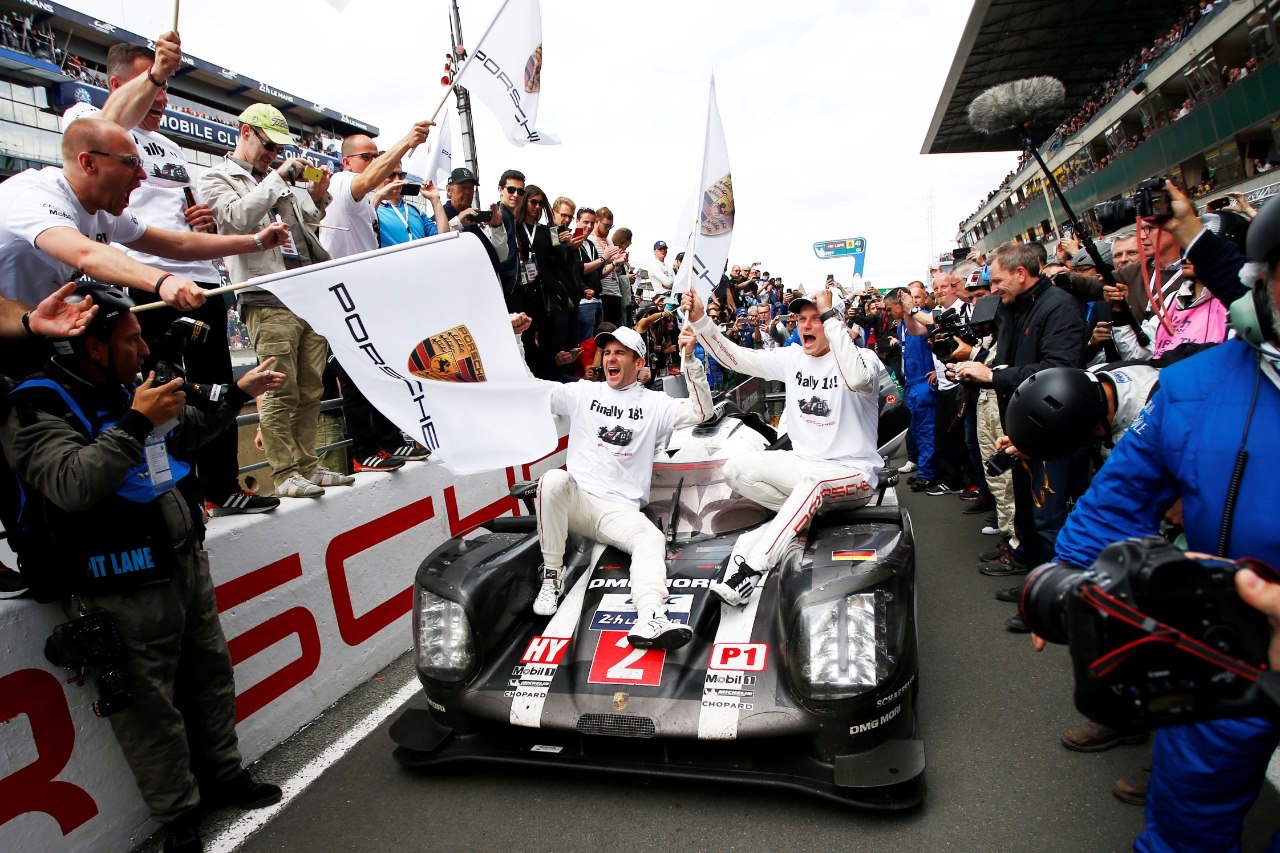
[
  {"x": 711, "y": 229},
  {"x": 504, "y": 71},
  {"x": 434, "y": 162},
  {"x": 443, "y": 368}
]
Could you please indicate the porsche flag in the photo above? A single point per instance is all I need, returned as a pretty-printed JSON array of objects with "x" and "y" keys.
[
  {"x": 711, "y": 227},
  {"x": 435, "y": 162},
  {"x": 444, "y": 369},
  {"x": 504, "y": 71}
]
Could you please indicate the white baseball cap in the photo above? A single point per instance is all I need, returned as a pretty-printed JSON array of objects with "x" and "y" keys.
[{"x": 626, "y": 336}]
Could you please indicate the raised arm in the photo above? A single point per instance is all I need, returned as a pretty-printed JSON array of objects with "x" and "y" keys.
[
  {"x": 128, "y": 105},
  {"x": 730, "y": 355},
  {"x": 697, "y": 407}
]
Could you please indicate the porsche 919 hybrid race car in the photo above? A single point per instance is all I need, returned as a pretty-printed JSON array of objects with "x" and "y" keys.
[{"x": 811, "y": 686}]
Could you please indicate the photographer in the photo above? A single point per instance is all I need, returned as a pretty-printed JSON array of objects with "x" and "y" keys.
[
  {"x": 1207, "y": 438},
  {"x": 1039, "y": 327},
  {"x": 105, "y": 529}
]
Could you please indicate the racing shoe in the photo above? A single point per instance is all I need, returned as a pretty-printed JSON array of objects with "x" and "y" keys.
[
  {"x": 380, "y": 461},
  {"x": 655, "y": 630},
  {"x": 736, "y": 588},
  {"x": 549, "y": 595}
]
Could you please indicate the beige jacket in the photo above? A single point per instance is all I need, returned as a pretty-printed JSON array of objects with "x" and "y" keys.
[{"x": 242, "y": 204}]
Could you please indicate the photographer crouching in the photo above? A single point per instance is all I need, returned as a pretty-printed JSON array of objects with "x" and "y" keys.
[
  {"x": 1207, "y": 436},
  {"x": 105, "y": 529}
]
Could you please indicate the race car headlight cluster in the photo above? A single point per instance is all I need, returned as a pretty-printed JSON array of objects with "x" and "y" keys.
[
  {"x": 841, "y": 645},
  {"x": 443, "y": 643}
]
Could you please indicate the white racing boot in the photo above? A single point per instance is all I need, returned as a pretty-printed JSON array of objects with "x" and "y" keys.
[
  {"x": 549, "y": 595},
  {"x": 740, "y": 580},
  {"x": 654, "y": 630}
]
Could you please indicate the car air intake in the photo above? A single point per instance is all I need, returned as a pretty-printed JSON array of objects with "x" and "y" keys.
[{"x": 616, "y": 725}]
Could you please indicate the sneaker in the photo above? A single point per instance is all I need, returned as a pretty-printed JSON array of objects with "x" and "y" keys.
[
  {"x": 911, "y": 481},
  {"x": 325, "y": 477},
  {"x": 1095, "y": 737},
  {"x": 298, "y": 486},
  {"x": 1132, "y": 791},
  {"x": 1016, "y": 625},
  {"x": 941, "y": 488},
  {"x": 992, "y": 556},
  {"x": 990, "y": 530},
  {"x": 241, "y": 502},
  {"x": 1011, "y": 594},
  {"x": 182, "y": 835},
  {"x": 1004, "y": 567},
  {"x": 412, "y": 452},
  {"x": 11, "y": 580},
  {"x": 971, "y": 494},
  {"x": 242, "y": 791},
  {"x": 549, "y": 595},
  {"x": 922, "y": 485},
  {"x": 380, "y": 461},
  {"x": 736, "y": 588},
  {"x": 980, "y": 505},
  {"x": 908, "y": 468},
  {"x": 654, "y": 630}
]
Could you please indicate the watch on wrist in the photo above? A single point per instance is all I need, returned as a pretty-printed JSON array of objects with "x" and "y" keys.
[
  {"x": 26, "y": 324},
  {"x": 829, "y": 314}
]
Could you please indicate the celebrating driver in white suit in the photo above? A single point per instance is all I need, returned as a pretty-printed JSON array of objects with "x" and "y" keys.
[
  {"x": 614, "y": 427},
  {"x": 832, "y": 412}
]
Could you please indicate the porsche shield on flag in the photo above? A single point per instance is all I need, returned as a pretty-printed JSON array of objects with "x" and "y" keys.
[
  {"x": 445, "y": 370},
  {"x": 711, "y": 228},
  {"x": 504, "y": 71}
]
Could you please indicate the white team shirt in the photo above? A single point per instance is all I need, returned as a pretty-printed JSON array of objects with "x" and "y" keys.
[
  {"x": 826, "y": 420},
  {"x": 160, "y": 201},
  {"x": 357, "y": 216},
  {"x": 31, "y": 203},
  {"x": 613, "y": 434},
  {"x": 1133, "y": 384}
]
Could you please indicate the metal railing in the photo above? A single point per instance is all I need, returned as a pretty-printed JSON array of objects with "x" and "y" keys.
[{"x": 253, "y": 418}]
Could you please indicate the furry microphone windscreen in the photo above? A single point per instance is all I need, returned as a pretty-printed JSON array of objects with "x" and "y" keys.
[{"x": 1013, "y": 104}]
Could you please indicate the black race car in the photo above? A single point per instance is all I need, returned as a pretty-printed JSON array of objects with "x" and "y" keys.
[
  {"x": 620, "y": 436},
  {"x": 811, "y": 686},
  {"x": 815, "y": 406}
]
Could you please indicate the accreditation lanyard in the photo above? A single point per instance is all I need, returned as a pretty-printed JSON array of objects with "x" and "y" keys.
[
  {"x": 403, "y": 217},
  {"x": 530, "y": 260}
]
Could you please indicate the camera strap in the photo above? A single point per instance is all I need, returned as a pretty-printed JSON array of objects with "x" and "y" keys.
[{"x": 1237, "y": 471}]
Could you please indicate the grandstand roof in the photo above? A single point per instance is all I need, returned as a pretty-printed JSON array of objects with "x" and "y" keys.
[{"x": 1081, "y": 42}]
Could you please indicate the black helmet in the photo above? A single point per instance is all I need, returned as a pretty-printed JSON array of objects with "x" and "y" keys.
[
  {"x": 1053, "y": 412},
  {"x": 1227, "y": 224},
  {"x": 1263, "y": 241},
  {"x": 112, "y": 302}
]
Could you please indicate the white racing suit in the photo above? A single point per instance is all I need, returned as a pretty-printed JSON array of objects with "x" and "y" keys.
[
  {"x": 613, "y": 436},
  {"x": 832, "y": 412}
]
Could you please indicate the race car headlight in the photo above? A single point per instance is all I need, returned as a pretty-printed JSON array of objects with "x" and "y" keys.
[
  {"x": 841, "y": 645},
  {"x": 443, "y": 644}
]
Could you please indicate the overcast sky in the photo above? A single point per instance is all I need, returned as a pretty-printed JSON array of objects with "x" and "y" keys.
[{"x": 825, "y": 105}]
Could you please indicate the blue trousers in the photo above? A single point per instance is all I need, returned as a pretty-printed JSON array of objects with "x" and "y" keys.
[
  {"x": 1204, "y": 778},
  {"x": 922, "y": 404}
]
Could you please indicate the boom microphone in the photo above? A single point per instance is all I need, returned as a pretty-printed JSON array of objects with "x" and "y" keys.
[{"x": 1011, "y": 105}]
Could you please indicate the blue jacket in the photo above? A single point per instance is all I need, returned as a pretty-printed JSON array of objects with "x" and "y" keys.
[{"x": 1184, "y": 444}]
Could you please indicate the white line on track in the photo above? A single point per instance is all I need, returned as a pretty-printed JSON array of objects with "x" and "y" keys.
[{"x": 238, "y": 832}]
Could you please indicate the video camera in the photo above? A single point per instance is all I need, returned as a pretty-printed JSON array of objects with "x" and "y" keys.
[
  {"x": 1150, "y": 200},
  {"x": 93, "y": 640},
  {"x": 949, "y": 325},
  {"x": 169, "y": 352},
  {"x": 1156, "y": 637}
]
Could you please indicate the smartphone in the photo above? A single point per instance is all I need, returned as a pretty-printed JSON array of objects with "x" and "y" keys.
[
  {"x": 410, "y": 189},
  {"x": 1218, "y": 204},
  {"x": 312, "y": 174},
  {"x": 579, "y": 231}
]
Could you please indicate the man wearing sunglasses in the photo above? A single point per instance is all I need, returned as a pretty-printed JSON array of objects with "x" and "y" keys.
[
  {"x": 244, "y": 191},
  {"x": 364, "y": 170},
  {"x": 510, "y": 193}
]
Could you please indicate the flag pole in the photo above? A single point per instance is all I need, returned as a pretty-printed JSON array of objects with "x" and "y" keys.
[
  {"x": 176, "y": 4},
  {"x": 697, "y": 202}
]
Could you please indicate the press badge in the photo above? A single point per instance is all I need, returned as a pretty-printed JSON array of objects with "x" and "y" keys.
[
  {"x": 531, "y": 270},
  {"x": 157, "y": 458}
]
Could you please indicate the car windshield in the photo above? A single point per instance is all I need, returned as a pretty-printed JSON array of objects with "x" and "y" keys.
[{"x": 708, "y": 507}]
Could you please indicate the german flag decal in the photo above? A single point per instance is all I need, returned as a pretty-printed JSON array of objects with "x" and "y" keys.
[{"x": 857, "y": 556}]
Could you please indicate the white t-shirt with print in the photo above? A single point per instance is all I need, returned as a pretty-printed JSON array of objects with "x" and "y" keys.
[
  {"x": 358, "y": 217},
  {"x": 161, "y": 200},
  {"x": 31, "y": 203},
  {"x": 613, "y": 435}
]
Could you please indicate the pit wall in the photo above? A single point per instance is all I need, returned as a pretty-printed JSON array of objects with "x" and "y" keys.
[{"x": 315, "y": 598}]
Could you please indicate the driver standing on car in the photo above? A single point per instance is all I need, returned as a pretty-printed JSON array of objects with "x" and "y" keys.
[
  {"x": 832, "y": 411},
  {"x": 614, "y": 428}
]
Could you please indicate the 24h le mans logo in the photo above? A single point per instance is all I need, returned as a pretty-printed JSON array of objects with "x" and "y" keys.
[
  {"x": 717, "y": 207},
  {"x": 450, "y": 356}
]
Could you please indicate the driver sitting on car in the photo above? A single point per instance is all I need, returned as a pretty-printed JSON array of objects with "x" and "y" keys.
[
  {"x": 832, "y": 411},
  {"x": 614, "y": 428}
]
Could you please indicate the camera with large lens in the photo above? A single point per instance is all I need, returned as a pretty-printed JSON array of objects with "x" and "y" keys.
[
  {"x": 1157, "y": 637},
  {"x": 93, "y": 640},
  {"x": 1150, "y": 200},
  {"x": 169, "y": 352}
]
